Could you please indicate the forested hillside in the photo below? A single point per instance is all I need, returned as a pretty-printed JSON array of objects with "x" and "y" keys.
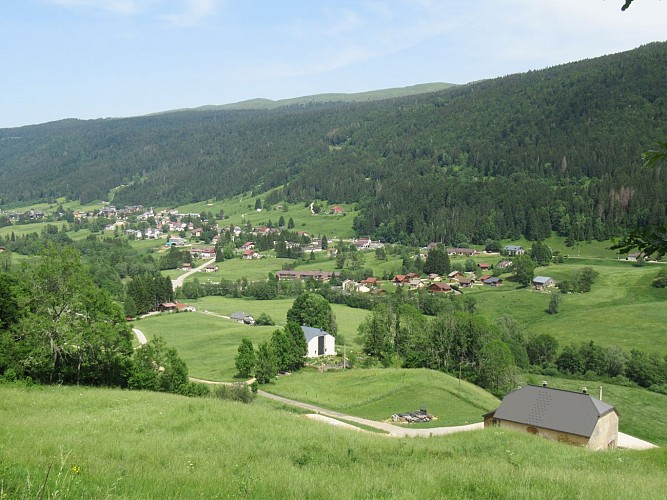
[{"x": 556, "y": 149}]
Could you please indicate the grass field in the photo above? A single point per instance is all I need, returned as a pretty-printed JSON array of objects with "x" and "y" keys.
[
  {"x": 622, "y": 309},
  {"x": 377, "y": 394},
  {"x": 78, "y": 442},
  {"x": 209, "y": 344},
  {"x": 242, "y": 208}
]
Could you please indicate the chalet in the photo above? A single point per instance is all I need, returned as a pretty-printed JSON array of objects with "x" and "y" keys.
[
  {"x": 565, "y": 416},
  {"x": 251, "y": 254},
  {"x": 400, "y": 279},
  {"x": 186, "y": 266},
  {"x": 203, "y": 253},
  {"x": 634, "y": 257},
  {"x": 439, "y": 287},
  {"x": 493, "y": 281},
  {"x": 241, "y": 317},
  {"x": 248, "y": 245},
  {"x": 455, "y": 275},
  {"x": 2, "y": 249},
  {"x": 504, "y": 264},
  {"x": 211, "y": 268},
  {"x": 167, "y": 307},
  {"x": 514, "y": 250},
  {"x": 370, "y": 281},
  {"x": 415, "y": 283},
  {"x": 362, "y": 243},
  {"x": 469, "y": 252},
  {"x": 353, "y": 286},
  {"x": 320, "y": 343},
  {"x": 484, "y": 266},
  {"x": 304, "y": 275},
  {"x": 484, "y": 277},
  {"x": 337, "y": 210},
  {"x": 542, "y": 282},
  {"x": 465, "y": 282},
  {"x": 434, "y": 277}
]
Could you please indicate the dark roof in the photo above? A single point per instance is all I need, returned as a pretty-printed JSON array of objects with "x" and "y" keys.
[
  {"x": 311, "y": 332},
  {"x": 556, "y": 409},
  {"x": 239, "y": 316}
]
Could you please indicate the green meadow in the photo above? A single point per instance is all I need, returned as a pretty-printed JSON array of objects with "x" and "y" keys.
[
  {"x": 622, "y": 308},
  {"x": 209, "y": 343},
  {"x": 377, "y": 394},
  {"x": 240, "y": 209},
  {"x": 78, "y": 442}
]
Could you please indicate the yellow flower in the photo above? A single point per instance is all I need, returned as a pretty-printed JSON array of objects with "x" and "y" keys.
[{"x": 75, "y": 469}]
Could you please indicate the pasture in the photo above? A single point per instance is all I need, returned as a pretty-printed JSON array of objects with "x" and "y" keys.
[
  {"x": 127, "y": 444},
  {"x": 622, "y": 308},
  {"x": 378, "y": 393}
]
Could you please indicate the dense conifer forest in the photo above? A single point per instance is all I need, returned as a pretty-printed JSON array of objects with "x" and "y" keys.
[{"x": 556, "y": 149}]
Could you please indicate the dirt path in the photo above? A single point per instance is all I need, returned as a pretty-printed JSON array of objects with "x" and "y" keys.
[
  {"x": 322, "y": 414},
  {"x": 178, "y": 282},
  {"x": 390, "y": 429}
]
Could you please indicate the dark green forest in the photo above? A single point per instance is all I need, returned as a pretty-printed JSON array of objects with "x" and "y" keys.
[{"x": 523, "y": 155}]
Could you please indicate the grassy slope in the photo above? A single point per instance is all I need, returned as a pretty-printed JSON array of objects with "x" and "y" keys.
[
  {"x": 148, "y": 445},
  {"x": 377, "y": 394},
  {"x": 209, "y": 344},
  {"x": 622, "y": 308}
]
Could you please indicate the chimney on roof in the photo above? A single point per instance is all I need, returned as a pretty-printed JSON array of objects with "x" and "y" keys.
[
  {"x": 544, "y": 383},
  {"x": 584, "y": 390}
]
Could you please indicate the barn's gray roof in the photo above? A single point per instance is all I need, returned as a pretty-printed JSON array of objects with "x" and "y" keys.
[
  {"x": 541, "y": 279},
  {"x": 559, "y": 410},
  {"x": 311, "y": 332}
]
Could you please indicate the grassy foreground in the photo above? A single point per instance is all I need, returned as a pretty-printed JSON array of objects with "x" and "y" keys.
[{"x": 97, "y": 443}]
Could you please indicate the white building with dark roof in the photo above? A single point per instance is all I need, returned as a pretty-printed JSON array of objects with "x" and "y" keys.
[{"x": 320, "y": 343}]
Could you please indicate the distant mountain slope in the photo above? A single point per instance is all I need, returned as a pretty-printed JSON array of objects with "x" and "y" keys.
[{"x": 520, "y": 155}]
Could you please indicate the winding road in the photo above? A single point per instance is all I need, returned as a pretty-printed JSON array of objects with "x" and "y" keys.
[{"x": 329, "y": 416}]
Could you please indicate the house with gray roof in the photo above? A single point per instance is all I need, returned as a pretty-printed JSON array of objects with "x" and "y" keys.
[
  {"x": 542, "y": 282},
  {"x": 565, "y": 416},
  {"x": 320, "y": 343},
  {"x": 514, "y": 250}
]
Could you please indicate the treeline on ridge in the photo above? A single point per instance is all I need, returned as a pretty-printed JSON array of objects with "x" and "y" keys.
[{"x": 556, "y": 149}]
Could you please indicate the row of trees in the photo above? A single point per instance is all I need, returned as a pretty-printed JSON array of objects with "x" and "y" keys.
[{"x": 489, "y": 354}]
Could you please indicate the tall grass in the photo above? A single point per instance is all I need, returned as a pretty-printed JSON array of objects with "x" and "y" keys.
[{"x": 148, "y": 445}]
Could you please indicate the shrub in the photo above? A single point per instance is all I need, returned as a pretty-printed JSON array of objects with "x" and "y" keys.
[{"x": 235, "y": 392}]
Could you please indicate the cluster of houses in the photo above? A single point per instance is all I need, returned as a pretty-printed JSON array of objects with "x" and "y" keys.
[{"x": 29, "y": 215}]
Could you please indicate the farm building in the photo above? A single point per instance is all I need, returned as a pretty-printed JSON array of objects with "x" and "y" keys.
[
  {"x": 241, "y": 317},
  {"x": 320, "y": 343},
  {"x": 514, "y": 250},
  {"x": 565, "y": 416},
  {"x": 541, "y": 282}
]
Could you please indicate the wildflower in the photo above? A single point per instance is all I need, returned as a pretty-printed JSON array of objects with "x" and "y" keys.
[{"x": 75, "y": 469}]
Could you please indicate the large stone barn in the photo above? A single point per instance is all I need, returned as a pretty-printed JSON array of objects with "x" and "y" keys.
[{"x": 565, "y": 416}]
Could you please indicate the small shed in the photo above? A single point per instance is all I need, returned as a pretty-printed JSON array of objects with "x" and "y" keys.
[
  {"x": 565, "y": 416},
  {"x": 493, "y": 281},
  {"x": 320, "y": 343}
]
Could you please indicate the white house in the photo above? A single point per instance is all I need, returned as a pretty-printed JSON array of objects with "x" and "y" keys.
[{"x": 320, "y": 343}]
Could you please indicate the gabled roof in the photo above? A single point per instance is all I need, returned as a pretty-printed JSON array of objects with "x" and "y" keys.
[
  {"x": 556, "y": 409},
  {"x": 311, "y": 332},
  {"x": 541, "y": 279}
]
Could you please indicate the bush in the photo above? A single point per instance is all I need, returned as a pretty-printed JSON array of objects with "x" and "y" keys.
[
  {"x": 194, "y": 390},
  {"x": 264, "y": 320},
  {"x": 235, "y": 392}
]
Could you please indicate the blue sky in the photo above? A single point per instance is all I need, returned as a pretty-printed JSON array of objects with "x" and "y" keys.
[{"x": 110, "y": 58}]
